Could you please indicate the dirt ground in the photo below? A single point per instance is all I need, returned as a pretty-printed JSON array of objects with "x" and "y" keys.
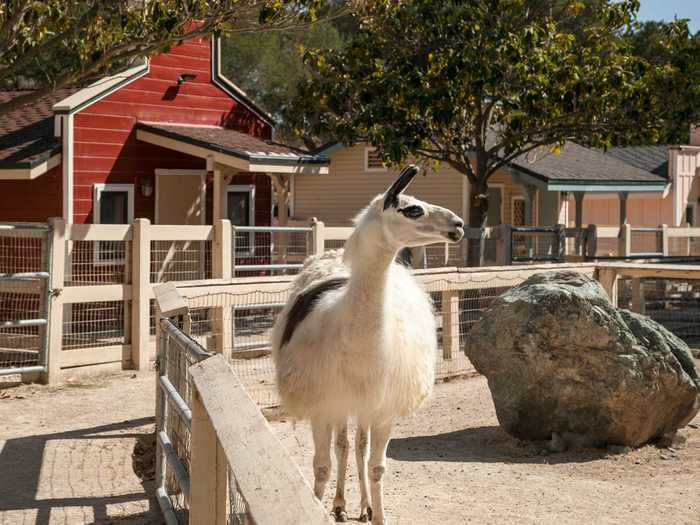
[
  {"x": 450, "y": 463},
  {"x": 67, "y": 456},
  {"x": 74, "y": 454}
]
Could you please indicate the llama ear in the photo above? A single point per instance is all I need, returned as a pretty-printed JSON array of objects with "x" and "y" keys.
[{"x": 391, "y": 197}]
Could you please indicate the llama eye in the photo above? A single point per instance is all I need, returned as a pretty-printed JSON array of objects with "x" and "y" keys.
[{"x": 412, "y": 212}]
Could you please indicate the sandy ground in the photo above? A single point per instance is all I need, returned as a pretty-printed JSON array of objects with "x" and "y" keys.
[
  {"x": 67, "y": 453},
  {"x": 450, "y": 463},
  {"x": 67, "y": 457}
]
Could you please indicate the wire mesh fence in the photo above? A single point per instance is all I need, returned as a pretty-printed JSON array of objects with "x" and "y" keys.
[
  {"x": 25, "y": 251},
  {"x": 673, "y": 303},
  {"x": 98, "y": 262},
  {"x": 21, "y": 346},
  {"x": 646, "y": 241},
  {"x": 530, "y": 246},
  {"x": 180, "y": 261},
  {"x": 273, "y": 250},
  {"x": 239, "y": 325},
  {"x": 684, "y": 246},
  {"x": 93, "y": 324}
]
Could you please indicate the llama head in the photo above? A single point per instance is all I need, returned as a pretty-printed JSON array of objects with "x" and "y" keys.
[{"x": 405, "y": 221}]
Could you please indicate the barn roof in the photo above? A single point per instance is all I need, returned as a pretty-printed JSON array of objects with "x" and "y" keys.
[
  {"x": 254, "y": 154},
  {"x": 27, "y": 133}
]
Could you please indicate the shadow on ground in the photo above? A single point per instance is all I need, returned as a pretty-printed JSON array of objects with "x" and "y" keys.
[
  {"x": 481, "y": 445},
  {"x": 63, "y": 476}
]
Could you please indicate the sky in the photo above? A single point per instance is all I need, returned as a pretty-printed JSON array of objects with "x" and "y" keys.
[{"x": 667, "y": 9}]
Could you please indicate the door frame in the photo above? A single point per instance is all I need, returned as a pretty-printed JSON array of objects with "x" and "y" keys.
[{"x": 163, "y": 172}]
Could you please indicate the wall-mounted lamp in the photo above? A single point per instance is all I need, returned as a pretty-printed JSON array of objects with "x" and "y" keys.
[
  {"x": 184, "y": 77},
  {"x": 146, "y": 186}
]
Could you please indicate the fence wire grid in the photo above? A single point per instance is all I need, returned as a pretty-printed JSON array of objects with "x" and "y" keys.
[
  {"x": 98, "y": 262},
  {"x": 21, "y": 346},
  {"x": 270, "y": 250},
  {"x": 176, "y": 357},
  {"x": 673, "y": 303}
]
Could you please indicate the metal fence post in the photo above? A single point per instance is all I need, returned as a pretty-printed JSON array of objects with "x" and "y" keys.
[
  {"x": 55, "y": 289},
  {"x": 140, "y": 298}
]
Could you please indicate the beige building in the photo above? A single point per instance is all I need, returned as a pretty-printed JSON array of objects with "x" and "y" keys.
[{"x": 356, "y": 175}]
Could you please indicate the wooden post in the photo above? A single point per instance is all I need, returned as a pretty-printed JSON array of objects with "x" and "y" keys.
[
  {"x": 664, "y": 241},
  {"x": 578, "y": 198},
  {"x": 638, "y": 300},
  {"x": 625, "y": 241},
  {"x": 591, "y": 241},
  {"x": 505, "y": 245},
  {"x": 221, "y": 269},
  {"x": 56, "y": 304},
  {"x": 208, "y": 470},
  {"x": 450, "y": 323},
  {"x": 608, "y": 279},
  {"x": 561, "y": 242},
  {"x": 140, "y": 296},
  {"x": 317, "y": 237}
]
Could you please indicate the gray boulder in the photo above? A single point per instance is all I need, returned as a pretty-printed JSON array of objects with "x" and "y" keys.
[{"x": 563, "y": 363}]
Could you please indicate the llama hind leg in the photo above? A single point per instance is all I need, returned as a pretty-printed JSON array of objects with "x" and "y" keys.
[
  {"x": 361, "y": 453},
  {"x": 341, "y": 456},
  {"x": 322, "y": 432},
  {"x": 377, "y": 466}
]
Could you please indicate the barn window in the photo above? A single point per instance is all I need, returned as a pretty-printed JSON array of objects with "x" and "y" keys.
[
  {"x": 240, "y": 210},
  {"x": 517, "y": 216},
  {"x": 373, "y": 161},
  {"x": 112, "y": 204}
]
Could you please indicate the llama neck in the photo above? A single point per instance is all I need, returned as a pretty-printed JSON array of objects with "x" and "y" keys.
[{"x": 370, "y": 262}]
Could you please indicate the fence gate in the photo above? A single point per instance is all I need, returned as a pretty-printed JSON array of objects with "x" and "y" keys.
[{"x": 25, "y": 262}]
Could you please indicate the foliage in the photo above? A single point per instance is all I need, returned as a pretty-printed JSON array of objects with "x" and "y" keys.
[
  {"x": 477, "y": 84},
  {"x": 269, "y": 65},
  {"x": 53, "y": 43},
  {"x": 672, "y": 47}
]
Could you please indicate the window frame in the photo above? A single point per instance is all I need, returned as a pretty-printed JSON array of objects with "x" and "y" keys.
[
  {"x": 97, "y": 191},
  {"x": 369, "y": 149},
  {"x": 513, "y": 200},
  {"x": 250, "y": 189}
]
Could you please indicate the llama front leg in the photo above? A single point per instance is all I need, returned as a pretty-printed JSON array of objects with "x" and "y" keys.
[
  {"x": 322, "y": 432},
  {"x": 341, "y": 456},
  {"x": 361, "y": 453},
  {"x": 380, "y": 435}
]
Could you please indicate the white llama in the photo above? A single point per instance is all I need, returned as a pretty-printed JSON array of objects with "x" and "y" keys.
[{"x": 357, "y": 338}]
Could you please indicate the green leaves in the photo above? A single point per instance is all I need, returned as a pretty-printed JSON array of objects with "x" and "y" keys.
[{"x": 495, "y": 77}]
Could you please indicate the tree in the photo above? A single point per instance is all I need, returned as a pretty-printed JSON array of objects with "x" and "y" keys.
[
  {"x": 49, "y": 44},
  {"x": 269, "y": 66},
  {"x": 477, "y": 84},
  {"x": 669, "y": 45}
]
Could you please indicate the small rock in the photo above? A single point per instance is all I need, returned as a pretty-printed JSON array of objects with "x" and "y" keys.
[
  {"x": 663, "y": 457},
  {"x": 694, "y": 425},
  {"x": 637, "y": 461}
]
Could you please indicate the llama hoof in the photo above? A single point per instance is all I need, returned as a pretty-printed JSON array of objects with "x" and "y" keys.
[
  {"x": 340, "y": 514},
  {"x": 366, "y": 516}
]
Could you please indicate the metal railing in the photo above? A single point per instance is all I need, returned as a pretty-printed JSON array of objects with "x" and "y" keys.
[
  {"x": 177, "y": 352},
  {"x": 25, "y": 263}
]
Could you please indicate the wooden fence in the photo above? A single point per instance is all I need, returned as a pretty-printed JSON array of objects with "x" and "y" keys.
[{"x": 102, "y": 313}]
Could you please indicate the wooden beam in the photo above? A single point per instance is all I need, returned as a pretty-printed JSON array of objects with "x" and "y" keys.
[
  {"x": 450, "y": 323},
  {"x": 269, "y": 480},
  {"x": 141, "y": 292},
  {"x": 56, "y": 287}
]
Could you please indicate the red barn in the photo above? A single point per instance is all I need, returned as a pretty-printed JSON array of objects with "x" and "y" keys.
[{"x": 171, "y": 140}]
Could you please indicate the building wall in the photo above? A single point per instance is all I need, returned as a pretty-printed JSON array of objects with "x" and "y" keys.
[
  {"x": 337, "y": 197},
  {"x": 642, "y": 210},
  {"x": 106, "y": 148},
  {"x": 32, "y": 200}
]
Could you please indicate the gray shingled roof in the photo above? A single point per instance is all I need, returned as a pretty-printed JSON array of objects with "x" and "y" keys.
[
  {"x": 578, "y": 164},
  {"x": 26, "y": 133},
  {"x": 653, "y": 158}
]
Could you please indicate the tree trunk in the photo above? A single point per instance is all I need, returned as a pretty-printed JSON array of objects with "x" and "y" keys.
[{"x": 478, "y": 213}]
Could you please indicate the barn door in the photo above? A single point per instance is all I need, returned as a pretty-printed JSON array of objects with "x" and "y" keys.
[{"x": 180, "y": 200}]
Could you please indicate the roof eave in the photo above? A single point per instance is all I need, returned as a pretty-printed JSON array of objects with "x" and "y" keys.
[{"x": 29, "y": 170}]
